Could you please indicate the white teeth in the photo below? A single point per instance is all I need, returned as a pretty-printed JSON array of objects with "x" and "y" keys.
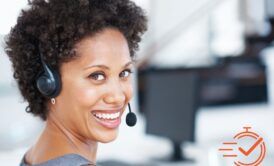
[{"x": 107, "y": 116}]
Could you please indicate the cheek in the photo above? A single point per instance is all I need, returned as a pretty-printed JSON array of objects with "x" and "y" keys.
[
  {"x": 87, "y": 96},
  {"x": 128, "y": 89}
]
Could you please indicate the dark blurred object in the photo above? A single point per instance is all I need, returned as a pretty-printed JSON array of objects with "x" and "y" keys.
[
  {"x": 169, "y": 98},
  {"x": 170, "y": 103},
  {"x": 259, "y": 30},
  {"x": 233, "y": 80},
  {"x": 237, "y": 80},
  {"x": 255, "y": 43}
]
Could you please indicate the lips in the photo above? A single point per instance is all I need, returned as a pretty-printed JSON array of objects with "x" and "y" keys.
[{"x": 108, "y": 118}]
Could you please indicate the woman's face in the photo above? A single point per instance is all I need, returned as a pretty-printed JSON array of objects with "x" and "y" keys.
[{"x": 96, "y": 87}]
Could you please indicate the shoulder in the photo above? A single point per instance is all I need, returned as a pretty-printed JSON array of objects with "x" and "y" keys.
[{"x": 68, "y": 160}]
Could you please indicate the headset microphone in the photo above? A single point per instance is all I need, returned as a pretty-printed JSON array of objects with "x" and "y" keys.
[{"x": 131, "y": 118}]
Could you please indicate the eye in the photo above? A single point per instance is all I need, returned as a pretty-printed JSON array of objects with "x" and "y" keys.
[
  {"x": 97, "y": 76},
  {"x": 125, "y": 73}
]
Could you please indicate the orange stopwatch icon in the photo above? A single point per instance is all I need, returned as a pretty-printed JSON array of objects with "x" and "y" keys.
[{"x": 247, "y": 149}]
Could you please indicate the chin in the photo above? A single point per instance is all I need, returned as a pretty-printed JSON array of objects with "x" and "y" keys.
[{"x": 107, "y": 137}]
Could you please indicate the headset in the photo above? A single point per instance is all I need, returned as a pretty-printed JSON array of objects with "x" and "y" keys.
[{"x": 49, "y": 84}]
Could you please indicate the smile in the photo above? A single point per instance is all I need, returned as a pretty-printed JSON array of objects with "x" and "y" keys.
[
  {"x": 107, "y": 116},
  {"x": 108, "y": 119}
]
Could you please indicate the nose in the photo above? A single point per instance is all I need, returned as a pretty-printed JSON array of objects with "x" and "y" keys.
[{"x": 116, "y": 94}]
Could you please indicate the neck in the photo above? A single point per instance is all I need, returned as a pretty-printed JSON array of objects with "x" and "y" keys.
[{"x": 56, "y": 140}]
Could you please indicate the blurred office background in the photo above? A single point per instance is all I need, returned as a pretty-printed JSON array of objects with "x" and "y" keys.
[{"x": 205, "y": 70}]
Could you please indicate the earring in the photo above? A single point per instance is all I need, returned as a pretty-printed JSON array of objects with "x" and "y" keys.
[{"x": 52, "y": 100}]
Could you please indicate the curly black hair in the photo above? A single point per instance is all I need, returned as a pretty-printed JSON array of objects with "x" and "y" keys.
[{"x": 57, "y": 25}]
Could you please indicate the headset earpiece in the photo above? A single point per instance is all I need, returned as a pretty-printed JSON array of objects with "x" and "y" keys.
[
  {"x": 49, "y": 86},
  {"x": 48, "y": 83}
]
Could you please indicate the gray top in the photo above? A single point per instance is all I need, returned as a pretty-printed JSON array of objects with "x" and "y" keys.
[{"x": 67, "y": 160}]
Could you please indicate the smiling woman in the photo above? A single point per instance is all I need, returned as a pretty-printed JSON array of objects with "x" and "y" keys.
[
  {"x": 85, "y": 50},
  {"x": 100, "y": 78}
]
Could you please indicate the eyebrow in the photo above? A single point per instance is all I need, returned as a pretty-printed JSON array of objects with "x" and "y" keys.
[{"x": 106, "y": 67}]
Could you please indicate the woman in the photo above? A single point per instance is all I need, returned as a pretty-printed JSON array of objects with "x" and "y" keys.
[{"x": 72, "y": 60}]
